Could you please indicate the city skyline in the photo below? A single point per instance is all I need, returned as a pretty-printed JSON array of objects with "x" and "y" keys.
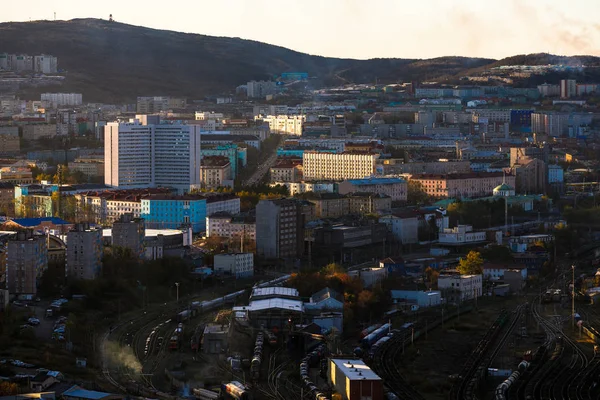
[{"x": 494, "y": 29}]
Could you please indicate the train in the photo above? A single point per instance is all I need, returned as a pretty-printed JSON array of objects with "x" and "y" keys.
[
  {"x": 176, "y": 337},
  {"x": 196, "y": 339},
  {"x": 374, "y": 336},
  {"x": 368, "y": 330},
  {"x": 311, "y": 359},
  {"x": 204, "y": 394},
  {"x": 197, "y": 307},
  {"x": 257, "y": 357},
  {"x": 235, "y": 390},
  {"x": 272, "y": 338}
]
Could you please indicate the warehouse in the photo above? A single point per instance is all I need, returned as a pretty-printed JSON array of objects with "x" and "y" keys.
[
  {"x": 354, "y": 380},
  {"x": 275, "y": 312}
]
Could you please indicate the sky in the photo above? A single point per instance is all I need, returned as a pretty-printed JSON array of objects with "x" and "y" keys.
[{"x": 358, "y": 28}]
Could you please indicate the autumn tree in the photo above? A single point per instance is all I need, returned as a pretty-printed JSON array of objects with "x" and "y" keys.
[
  {"x": 8, "y": 389},
  {"x": 432, "y": 277},
  {"x": 416, "y": 193},
  {"x": 472, "y": 264}
]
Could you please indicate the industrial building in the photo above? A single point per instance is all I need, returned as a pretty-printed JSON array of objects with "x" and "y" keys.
[
  {"x": 215, "y": 339},
  {"x": 354, "y": 380}
]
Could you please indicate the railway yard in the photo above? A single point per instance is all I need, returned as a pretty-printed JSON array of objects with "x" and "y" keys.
[{"x": 520, "y": 347}]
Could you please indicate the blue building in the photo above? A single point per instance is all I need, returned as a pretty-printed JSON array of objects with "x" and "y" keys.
[
  {"x": 173, "y": 212},
  {"x": 238, "y": 156},
  {"x": 520, "y": 118},
  {"x": 294, "y": 76}
]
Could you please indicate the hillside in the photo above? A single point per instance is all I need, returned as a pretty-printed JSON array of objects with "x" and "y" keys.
[{"x": 113, "y": 62}]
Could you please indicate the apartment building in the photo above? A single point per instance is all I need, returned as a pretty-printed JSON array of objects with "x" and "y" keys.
[
  {"x": 173, "y": 212},
  {"x": 328, "y": 205},
  {"x": 295, "y": 188},
  {"x": 89, "y": 167},
  {"x": 338, "y": 167},
  {"x": 7, "y": 199},
  {"x": 239, "y": 265},
  {"x": 10, "y": 144},
  {"x": 475, "y": 184},
  {"x": 129, "y": 233},
  {"x": 84, "y": 252},
  {"x": 260, "y": 89},
  {"x": 285, "y": 124},
  {"x": 165, "y": 155},
  {"x": 226, "y": 225},
  {"x": 490, "y": 115},
  {"x": 222, "y": 202},
  {"x": 237, "y": 155},
  {"x": 396, "y": 166},
  {"x": 368, "y": 203},
  {"x": 156, "y": 104},
  {"x": 37, "y": 131},
  {"x": 395, "y": 188},
  {"x": 45, "y": 64},
  {"x": 215, "y": 171},
  {"x": 15, "y": 175},
  {"x": 558, "y": 124},
  {"x": 26, "y": 261},
  {"x": 461, "y": 234},
  {"x": 287, "y": 170},
  {"x": 279, "y": 228},
  {"x": 549, "y": 90},
  {"x": 57, "y": 100},
  {"x": 568, "y": 88}
]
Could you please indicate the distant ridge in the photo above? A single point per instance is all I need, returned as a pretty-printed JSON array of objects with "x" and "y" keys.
[{"x": 115, "y": 62}]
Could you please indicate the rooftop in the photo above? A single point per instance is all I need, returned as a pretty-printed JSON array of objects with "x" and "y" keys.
[
  {"x": 31, "y": 222},
  {"x": 356, "y": 370},
  {"x": 375, "y": 181},
  {"x": 284, "y": 304},
  {"x": 81, "y": 393},
  {"x": 274, "y": 291}
]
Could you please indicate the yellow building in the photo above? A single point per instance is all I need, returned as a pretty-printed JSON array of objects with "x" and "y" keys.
[{"x": 338, "y": 166}]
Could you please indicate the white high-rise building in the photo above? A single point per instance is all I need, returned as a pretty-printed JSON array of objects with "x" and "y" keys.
[
  {"x": 141, "y": 156},
  {"x": 258, "y": 89},
  {"x": 55, "y": 100}
]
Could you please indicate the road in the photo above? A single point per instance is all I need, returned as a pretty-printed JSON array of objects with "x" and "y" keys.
[{"x": 262, "y": 169}]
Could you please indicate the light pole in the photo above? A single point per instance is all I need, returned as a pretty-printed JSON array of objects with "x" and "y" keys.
[
  {"x": 573, "y": 298},
  {"x": 177, "y": 286}
]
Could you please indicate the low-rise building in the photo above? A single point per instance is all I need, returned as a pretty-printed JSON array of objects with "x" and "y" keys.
[
  {"x": 38, "y": 131},
  {"x": 404, "y": 226},
  {"x": 328, "y": 205},
  {"x": 476, "y": 184},
  {"x": 368, "y": 203},
  {"x": 225, "y": 225},
  {"x": 461, "y": 235},
  {"x": 239, "y": 265},
  {"x": 495, "y": 271},
  {"x": 430, "y": 298},
  {"x": 370, "y": 276},
  {"x": 287, "y": 170},
  {"x": 7, "y": 199},
  {"x": 89, "y": 167},
  {"x": 16, "y": 175},
  {"x": 395, "y": 188},
  {"x": 215, "y": 339},
  {"x": 467, "y": 286},
  {"x": 354, "y": 380}
]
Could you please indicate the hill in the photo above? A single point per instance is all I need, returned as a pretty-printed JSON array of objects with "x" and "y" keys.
[{"x": 110, "y": 61}]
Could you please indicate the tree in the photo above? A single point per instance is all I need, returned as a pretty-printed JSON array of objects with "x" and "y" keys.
[
  {"x": 8, "y": 389},
  {"x": 472, "y": 264},
  {"x": 415, "y": 193},
  {"x": 432, "y": 277},
  {"x": 497, "y": 254},
  {"x": 332, "y": 269}
]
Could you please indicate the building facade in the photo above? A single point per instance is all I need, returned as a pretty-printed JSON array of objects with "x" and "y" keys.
[
  {"x": 285, "y": 124},
  {"x": 468, "y": 286},
  {"x": 215, "y": 172},
  {"x": 279, "y": 228},
  {"x": 84, "y": 252},
  {"x": 476, "y": 184},
  {"x": 174, "y": 212},
  {"x": 141, "y": 156},
  {"x": 338, "y": 167},
  {"x": 239, "y": 265},
  {"x": 395, "y": 188},
  {"x": 26, "y": 261},
  {"x": 128, "y": 233}
]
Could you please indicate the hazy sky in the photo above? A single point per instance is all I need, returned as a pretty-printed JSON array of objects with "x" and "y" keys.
[{"x": 358, "y": 28}]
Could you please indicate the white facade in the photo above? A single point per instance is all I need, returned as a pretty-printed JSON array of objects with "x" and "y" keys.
[
  {"x": 206, "y": 115},
  {"x": 45, "y": 64},
  {"x": 285, "y": 124},
  {"x": 54, "y": 100},
  {"x": 231, "y": 206},
  {"x": 141, "y": 156},
  {"x": 461, "y": 234},
  {"x": 223, "y": 226},
  {"x": 338, "y": 167},
  {"x": 404, "y": 229},
  {"x": 256, "y": 89},
  {"x": 237, "y": 264},
  {"x": 396, "y": 188},
  {"x": 469, "y": 286}
]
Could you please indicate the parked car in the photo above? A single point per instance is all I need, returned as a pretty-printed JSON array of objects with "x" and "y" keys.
[{"x": 33, "y": 321}]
